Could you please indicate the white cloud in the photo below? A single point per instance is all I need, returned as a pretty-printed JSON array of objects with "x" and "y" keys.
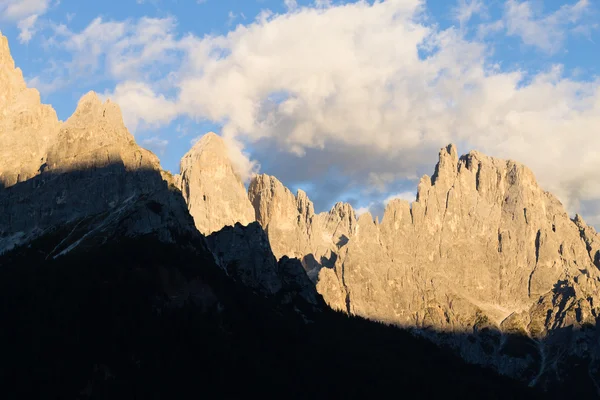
[
  {"x": 25, "y": 14},
  {"x": 290, "y": 4},
  {"x": 129, "y": 50},
  {"x": 143, "y": 106},
  {"x": 322, "y": 3},
  {"x": 408, "y": 196},
  {"x": 155, "y": 144},
  {"x": 466, "y": 9},
  {"x": 357, "y": 94},
  {"x": 26, "y": 26},
  {"x": 377, "y": 208},
  {"x": 240, "y": 159},
  {"x": 547, "y": 32},
  {"x": 362, "y": 210}
]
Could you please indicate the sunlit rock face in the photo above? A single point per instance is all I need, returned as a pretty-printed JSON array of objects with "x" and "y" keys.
[
  {"x": 483, "y": 248},
  {"x": 482, "y": 244},
  {"x": 294, "y": 229},
  {"x": 482, "y": 237},
  {"x": 213, "y": 191},
  {"x": 94, "y": 137},
  {"x": 27, "y": 126}
]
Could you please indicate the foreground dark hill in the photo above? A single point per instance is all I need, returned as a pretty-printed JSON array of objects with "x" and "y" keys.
[{"x": 136, "y": 318}]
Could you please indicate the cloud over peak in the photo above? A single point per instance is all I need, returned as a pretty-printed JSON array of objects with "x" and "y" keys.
[{"x": 370, "y": 91}]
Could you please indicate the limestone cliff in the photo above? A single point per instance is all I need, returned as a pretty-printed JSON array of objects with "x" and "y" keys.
[
  {"x": 244, "y": 252},
  {"x": 86, "y": 174},
  {"x": 27, "y": 126},
  {"x": 214, "y": 193},
  {"x": 294, "y": 229},
  {"x": 482, "y": 249},
  {"x": 482, "y": 236}
]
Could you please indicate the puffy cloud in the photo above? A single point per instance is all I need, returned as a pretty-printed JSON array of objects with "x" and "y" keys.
[
  {"x": 370, "y": 92},
  {"x": 142, "y": 105}
]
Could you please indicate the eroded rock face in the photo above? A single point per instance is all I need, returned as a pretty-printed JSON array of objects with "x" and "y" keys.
[
  {"x": 294, "y": 229},
  {"x": 482, "y": 236},
  {"x": 87, "y": 173},
  {"x": 27, "y": 126},
  {"x": 244, "y": 252},
  {"x": 482, "y": 247},
  {"x": 95, "y": 137},
  {"x": 213, "y": 191}
]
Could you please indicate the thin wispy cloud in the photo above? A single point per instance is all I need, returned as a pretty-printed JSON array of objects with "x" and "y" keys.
[
  {"x": 25, "y": 14},
  {"x": 547, "y": 32}
]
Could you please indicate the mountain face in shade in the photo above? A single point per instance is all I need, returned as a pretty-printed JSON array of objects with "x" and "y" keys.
[
  {"x": 214, "y": 193},
  {"x": 245, "y": 253},
  {"x": 92, "y": 173}
]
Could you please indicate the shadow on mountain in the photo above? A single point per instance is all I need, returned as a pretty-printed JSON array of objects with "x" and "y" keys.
[
  {"x": 115, "y": 300},
  {"x": 106, "y": 201},
  {"x": 107, "y": 323}
]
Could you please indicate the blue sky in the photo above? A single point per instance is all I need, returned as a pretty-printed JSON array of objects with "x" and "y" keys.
[{"x": 348, "y": 100}]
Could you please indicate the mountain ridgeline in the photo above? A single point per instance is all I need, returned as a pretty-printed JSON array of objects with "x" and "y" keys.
[
  {"x": 120, "y": 280},
  {"x": 483, "y": 253}
]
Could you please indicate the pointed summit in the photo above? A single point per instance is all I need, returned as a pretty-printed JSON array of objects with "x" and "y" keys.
[
  {"x": 208, "y": 139},
  {"x": 95, "y": 136},
  {"x": 5, "y": 56},
  {"x": 26, "y": 125},
  {"x": 214, "y": 193},
  {"x": 209, "y": 146},
  {"x": 90, "y": 97}
]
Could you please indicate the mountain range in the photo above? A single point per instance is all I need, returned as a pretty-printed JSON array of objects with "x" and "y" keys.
[{"x": 121, "y": 280}]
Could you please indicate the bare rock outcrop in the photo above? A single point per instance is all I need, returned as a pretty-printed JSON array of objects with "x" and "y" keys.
[
  {"x": 482, "y": 236},
  {"x": 294, "y": 229},
  {"x": 27, "y": 126},
  {"x": 95, "y": 137},
  {"x": 483, "y": 248},
  {"x": 86, "y": 175},
  {"x": 245, "y": 254},
  {"x": 213, "y": 191}
]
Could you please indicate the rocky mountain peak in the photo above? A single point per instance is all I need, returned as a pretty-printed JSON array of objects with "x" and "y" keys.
[
  {"x": 272, "y": 201},
  {"x": 11, "y": 78},
  {"x": 213, "y": 191},
  {"x": 446, "y": 168},
  {"x": 27, "y": 126},
  {"x": 482, "y": 239},
  {"x": 95, "y": 136},
  {"x": 87, "y": 173},
  {"x": 90, "y": 108}
]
